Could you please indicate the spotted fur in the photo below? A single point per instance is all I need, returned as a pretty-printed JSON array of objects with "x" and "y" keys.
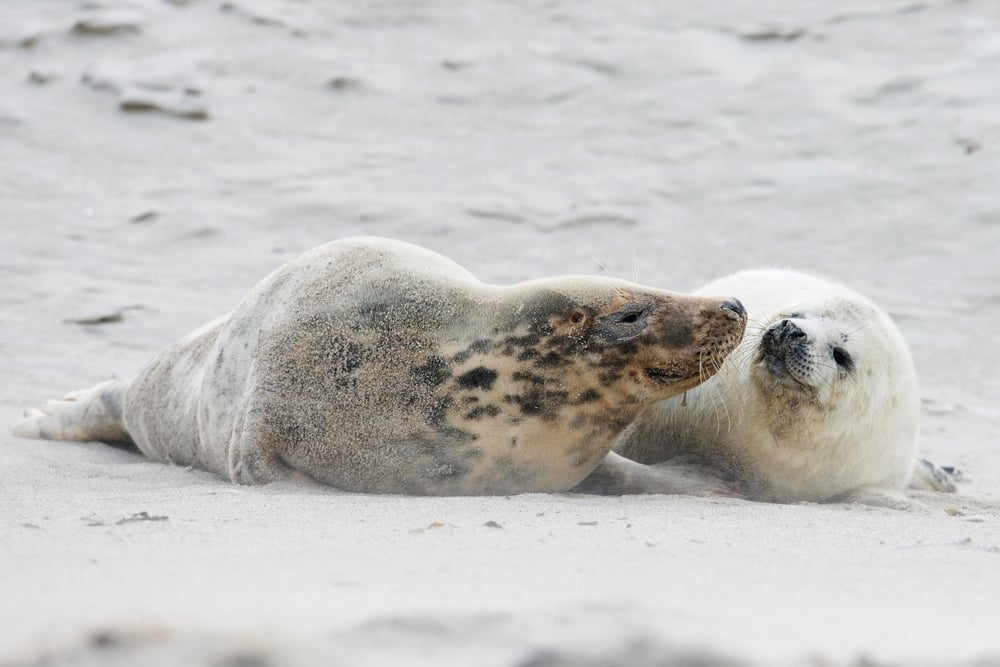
[{"x": 377, "y": 366}]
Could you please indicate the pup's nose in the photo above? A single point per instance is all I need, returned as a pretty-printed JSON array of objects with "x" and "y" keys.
[
  {"x": 787, "y": 330},
  {"x": 734, "y": 305}
]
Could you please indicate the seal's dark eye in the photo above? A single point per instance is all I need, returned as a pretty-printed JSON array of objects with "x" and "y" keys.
[
  {"x": 842, "y": 358},
  {"x": 630, "y": 315},
  {"x": 624, "y": 325},
  {"x": 576, "y": 317}
]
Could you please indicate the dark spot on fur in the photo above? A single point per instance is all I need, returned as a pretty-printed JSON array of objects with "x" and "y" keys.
[
  {"x": 521, "y": 376},
  {"x": 523, "y": 341},
  {"x": 530, "y": 407},
  {"x": 588, "y": 396},
  {"x": 609, "y": 377},
  {"x": 627, "y": 349},
  {"x": 470, "y": 399},
  {"x": 678, "y": 334},
  {"x": 483, "y": 410},
  {"x": 433, "y": 372},
  {"x": 351, "y": 357},
  {"x": 536, "y": 402},
  {"x": 527, "y": 353},
  {"x": 550, "y": 359},
  {"x": 478, "y": 378},
  {"x": 565, "y": 346},
  {"x": 345, "y": 357},
  {"x": 513, "y": 443},
  {"x": 478, "y": 347}
]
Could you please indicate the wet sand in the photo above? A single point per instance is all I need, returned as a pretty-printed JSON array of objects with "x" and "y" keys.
[{"x": 158, "y": 158}]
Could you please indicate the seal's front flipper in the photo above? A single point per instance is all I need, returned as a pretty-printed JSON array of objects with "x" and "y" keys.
[
  {"x": 84, "y": 415},
  {"x": 616, "y": 475},
  {"x": 930, "y": 477}
]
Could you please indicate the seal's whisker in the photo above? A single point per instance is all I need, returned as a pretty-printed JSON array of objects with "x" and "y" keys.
[
  {"x": 720, "y": 401},
  {"x": 860, "y": 327},
  {"x": 756, "y": 325},
  {"x": 743, "y": 355},
  {"x": 725, "y": 407},
  {"x": 727, "y": 384},
  {"x": 601, "y": 264},
  {"x": 713, "y": 402},
  {"x": 824, "y": 364}
]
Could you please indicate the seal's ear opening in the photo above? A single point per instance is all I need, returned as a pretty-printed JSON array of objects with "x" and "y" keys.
[
  {"x": 574, "y": 323},
  {"x": 624, "y": 324}
]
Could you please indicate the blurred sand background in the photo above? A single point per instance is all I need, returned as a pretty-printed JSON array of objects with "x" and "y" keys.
[{"x": 159, "y": 157}]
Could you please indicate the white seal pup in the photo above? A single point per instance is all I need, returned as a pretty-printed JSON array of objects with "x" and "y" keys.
[
  {"x": 818, "y": 403},
  {"x": 376, "y": 366}
]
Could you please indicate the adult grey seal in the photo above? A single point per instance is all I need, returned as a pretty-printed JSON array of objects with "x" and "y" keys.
[
  {"x": 819, "y": 402},
  {"x": 377, "y": 366}
]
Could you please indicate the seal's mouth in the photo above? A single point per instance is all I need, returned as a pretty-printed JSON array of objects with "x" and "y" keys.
[
  {"x": 775, "y": 364},
  {"x": 793, "y": 373},
  {"x": 663, "y": 377}
]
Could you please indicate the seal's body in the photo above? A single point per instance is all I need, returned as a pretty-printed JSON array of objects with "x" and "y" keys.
[
  {"x": 377, "y": 366},
  {"x": 819, "y": 402}
]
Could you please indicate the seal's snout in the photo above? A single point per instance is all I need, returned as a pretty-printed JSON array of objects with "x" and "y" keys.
[
  {"x": 781, "y": 336},
  {"x": 784, "y": 333},
  {"x": 734, "y": 306},
  {"x": 782, "y": 344}
]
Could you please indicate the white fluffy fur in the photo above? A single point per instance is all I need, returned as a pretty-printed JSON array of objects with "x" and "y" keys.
[{"x": 819, "y": 433}]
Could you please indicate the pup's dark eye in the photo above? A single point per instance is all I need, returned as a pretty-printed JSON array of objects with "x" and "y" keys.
[
  {"x": 842, "y": 358},
  {"x": 631, "y": 318},
  {"x": 576, "y": 318}
]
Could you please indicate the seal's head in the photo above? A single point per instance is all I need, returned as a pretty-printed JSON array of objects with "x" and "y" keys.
[
  {"x": 810, "y": 351},
  {"x": 840, "y": 355},
  {"x": 832, "y": 390},
  {"x": 819, "y": 399},
  {"x": 640, "y": 344}
]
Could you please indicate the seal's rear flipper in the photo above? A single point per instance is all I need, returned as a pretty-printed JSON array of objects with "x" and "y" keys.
[
  {"x": 88, "y": 414},
  {"x": 929, "y": 477}
]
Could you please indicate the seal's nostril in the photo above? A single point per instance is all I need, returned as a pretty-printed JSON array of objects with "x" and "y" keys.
[
  {"x": 788, "y": 329},
  {"x": 735, "y": 306}
]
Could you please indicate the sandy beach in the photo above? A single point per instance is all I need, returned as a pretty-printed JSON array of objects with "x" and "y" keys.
[{"x": 160, "y": 157}]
